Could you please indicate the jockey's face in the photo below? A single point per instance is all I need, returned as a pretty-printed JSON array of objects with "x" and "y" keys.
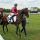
[{"x": 16, "y": 6}]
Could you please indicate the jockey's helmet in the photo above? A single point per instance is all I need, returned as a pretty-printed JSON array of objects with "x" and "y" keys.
[{"x": 15, "y": 4}]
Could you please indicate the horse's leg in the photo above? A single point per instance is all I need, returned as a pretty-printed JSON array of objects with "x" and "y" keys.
[
  {"x": 7, "y": 28},
  {"x": 18, "y": 30},
  {"x": 19, "y": 33},
  {"x": 22, "y": 30},
  {"x": 23, "y": 25},
  {"x": 17, "y": 27},
  {"x": 3, "y": 29}
]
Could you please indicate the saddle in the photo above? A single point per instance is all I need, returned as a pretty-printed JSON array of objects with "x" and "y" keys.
[{"x": 12, "y": 20}]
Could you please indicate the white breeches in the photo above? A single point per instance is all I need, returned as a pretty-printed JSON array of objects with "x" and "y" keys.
[{"x": 14, "y": 18}]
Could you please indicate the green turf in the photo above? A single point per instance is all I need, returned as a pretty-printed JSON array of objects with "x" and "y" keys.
[{"x": 33, "y": 30}]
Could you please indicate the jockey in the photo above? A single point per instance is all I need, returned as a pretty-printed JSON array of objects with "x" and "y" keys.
[{"x": 14, "y": 12}]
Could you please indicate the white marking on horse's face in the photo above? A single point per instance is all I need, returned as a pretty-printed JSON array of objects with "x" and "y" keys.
[{"x": 1, "y": 38}]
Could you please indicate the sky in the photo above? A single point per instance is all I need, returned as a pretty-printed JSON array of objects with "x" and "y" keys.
[{"x": 8, "y": 4}]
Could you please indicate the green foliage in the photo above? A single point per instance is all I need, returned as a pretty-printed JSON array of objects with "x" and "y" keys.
[{"x": 7, "y": 10}]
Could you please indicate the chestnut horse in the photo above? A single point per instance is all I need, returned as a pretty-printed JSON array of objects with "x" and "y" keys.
[{"x": 20, "y": 19}]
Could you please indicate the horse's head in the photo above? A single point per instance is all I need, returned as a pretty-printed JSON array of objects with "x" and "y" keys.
[{"x": 25, "y": 11}]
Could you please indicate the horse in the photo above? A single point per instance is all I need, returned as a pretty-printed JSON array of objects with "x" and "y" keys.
[
  {"x": 21, "y": 13},
  {"x": 24, "y": 13}
]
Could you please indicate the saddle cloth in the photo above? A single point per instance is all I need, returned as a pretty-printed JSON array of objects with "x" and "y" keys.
[{"x": 14, "y": 19}]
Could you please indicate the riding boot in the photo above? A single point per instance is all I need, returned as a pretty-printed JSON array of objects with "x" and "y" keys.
[{"x": 12, "y": 17}]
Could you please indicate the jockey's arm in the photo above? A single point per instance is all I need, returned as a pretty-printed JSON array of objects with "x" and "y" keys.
[{"x": 16, "y": 12}]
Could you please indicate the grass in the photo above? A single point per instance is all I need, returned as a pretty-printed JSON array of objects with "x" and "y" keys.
[{"x": 33, "y": 30}]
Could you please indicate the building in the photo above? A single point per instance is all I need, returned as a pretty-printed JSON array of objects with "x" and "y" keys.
[{"x": 33, "y": 9}]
